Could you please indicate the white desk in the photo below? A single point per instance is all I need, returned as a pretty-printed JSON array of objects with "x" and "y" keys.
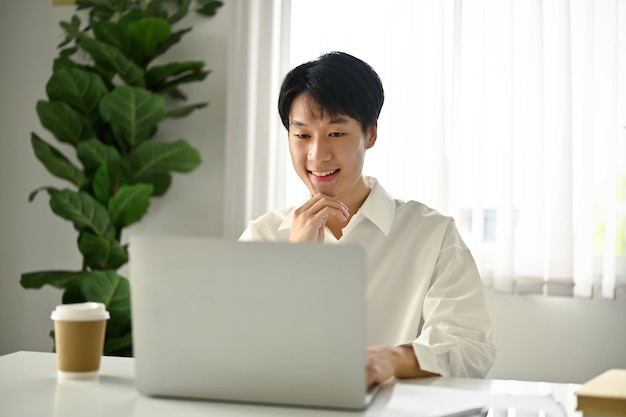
[{"x": 29, "y": 387}]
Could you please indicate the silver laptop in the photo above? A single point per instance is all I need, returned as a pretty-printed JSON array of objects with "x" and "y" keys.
[{"x": 271, "y": 323}]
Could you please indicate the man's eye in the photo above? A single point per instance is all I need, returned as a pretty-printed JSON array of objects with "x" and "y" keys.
[
  {"x": 335, "y": 134},
  {"x": 301, "y": 135}
]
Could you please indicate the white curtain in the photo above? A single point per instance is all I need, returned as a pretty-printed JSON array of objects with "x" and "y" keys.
[
  {"x": 507, "y": 115},
  {"x": 258, "y": 47}
]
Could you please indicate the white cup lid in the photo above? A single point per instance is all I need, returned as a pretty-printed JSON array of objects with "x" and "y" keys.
[{"x": 89, "y": 311}]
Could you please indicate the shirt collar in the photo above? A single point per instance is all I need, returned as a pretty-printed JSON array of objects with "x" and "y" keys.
[{"x": 378, "y": 207}]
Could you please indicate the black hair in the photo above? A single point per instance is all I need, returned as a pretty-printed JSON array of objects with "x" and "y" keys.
[{"x": 337, "y": 83}]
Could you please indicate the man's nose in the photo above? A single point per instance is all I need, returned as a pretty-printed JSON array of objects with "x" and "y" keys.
[{"x": 319, "y": 149}]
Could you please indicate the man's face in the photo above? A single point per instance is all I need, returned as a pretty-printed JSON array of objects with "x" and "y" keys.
[{"x": 328, "y": 153}]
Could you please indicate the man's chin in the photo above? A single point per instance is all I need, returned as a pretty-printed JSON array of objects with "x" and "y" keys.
[{"x": 321, "y": 190}]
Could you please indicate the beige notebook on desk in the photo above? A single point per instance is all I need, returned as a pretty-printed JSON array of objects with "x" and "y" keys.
[
  {"x": 604, "y": 395},
  {"x": 249, "y": 322}
]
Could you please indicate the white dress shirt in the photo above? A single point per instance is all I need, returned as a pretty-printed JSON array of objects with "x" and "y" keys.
[{"x": 424, "y": 287}]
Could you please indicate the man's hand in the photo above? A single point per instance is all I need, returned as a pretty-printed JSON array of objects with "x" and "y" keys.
[
  {"x": 380, "y": 365},
  {"x": 310, "y": 219},
  {"x": 384, "y": 362}
]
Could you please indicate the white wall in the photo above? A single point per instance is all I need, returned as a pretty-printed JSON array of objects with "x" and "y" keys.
[
  {"x": 557, "y": 338},
  {"x": 540, "y": 339},
  {"x": 31, "y": 237}
]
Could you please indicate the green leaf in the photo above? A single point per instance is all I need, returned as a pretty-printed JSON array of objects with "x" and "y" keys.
[
  {"x": 133, "y": 113},
  {"x": 109, "y": 33},
  {"x": 55, "y": 162},
  {"x": 68, "y": 52},
  {"x": 172, "y": 84},
  {"x": 65, "y": 123},
  {"x": 159, "y": 74},
  {"x": 64, "y": 62},
  {"x": 99, "y": 9},
  {"x": 185, "y": 110},
  {"x": 129, "y": 204},
  {"x": 174, "y": 93},
  {"x": 181, "y": 12},
  {"x": 109, "y": 288},
  {"x": 57, "y": 279},
  {"x": 101, "y": 253},
  {"x": 103, "y": 185},
  {"x": 149, "y": 33},
  {"x": 113, "y": 291},
  {"x": 72, "y": 30},
  {"x": 161, "y": 182},
  {"x": 33, "y": 194},
  {"x": 73, "y": 293},
  {"x": 130, "y": 47},
  {"x": 79, "y": 88},
  {"x": 113, "y": 60},
  {"x": 171, "y": 41},
  {"x": 209, "y": 7},
  {"x": 153, "y": 156},
  {"x": 93, "y": 154},
  {"x": 106, "y": 74},
  {"x": 107, "y": 180},
  {"x": 84, "y": 211},
  {"x": 118, "y": 346}
]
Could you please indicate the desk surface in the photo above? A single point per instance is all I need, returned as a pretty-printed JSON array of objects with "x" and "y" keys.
[{"x": 29, "y": 387}]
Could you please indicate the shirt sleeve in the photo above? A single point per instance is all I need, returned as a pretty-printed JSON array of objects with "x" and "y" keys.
[
  {"x": 267, "y": 228},
  {"x": 455, "y": 339}
]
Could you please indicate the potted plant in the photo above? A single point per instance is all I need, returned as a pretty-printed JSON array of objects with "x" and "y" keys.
[{"x": 105, "y": 99}]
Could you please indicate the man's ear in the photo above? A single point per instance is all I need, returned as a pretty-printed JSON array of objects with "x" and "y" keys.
[{"x": 372, "y": 135}]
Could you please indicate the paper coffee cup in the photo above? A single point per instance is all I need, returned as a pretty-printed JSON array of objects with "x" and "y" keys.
[{"x": 79, "y": 338}]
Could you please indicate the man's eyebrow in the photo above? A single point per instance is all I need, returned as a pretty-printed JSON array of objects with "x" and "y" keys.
[
  {"x": 296, "y": 123},
  {"x": 337, "y": 120},
  {"x": 333, "y": 121}
]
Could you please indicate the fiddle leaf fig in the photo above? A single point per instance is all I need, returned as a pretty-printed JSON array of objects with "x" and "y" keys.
[
  {"x": 72, "y": 30},
  {"x": 105, "y": 102},
  {"x": 209, "y": 7},
  {"x": 183, "y": 9},
  {"x": 111, "y": 59},
  {"x": 81, "y": 89},
  {"x": 55, "y": 162},
  {"x": 73, "y": 293},
  {"x": 133, "y": 114},
  {"x": 151, "y": 157},
  {"x": 149, "y": 33},
  {"x": 161, "y": 181},
  {"x": 57, "y": 279},
  {"x": 93, "y": 154},
  {"x": 109, "y": 33},
  {"x": 159, "y": 77},
  {"x": 103, "y": 185},
  {"x": 101, "y": 253},
  {"x": 63, "y": 122},
  {"x": 172, "y": 40},
  {"x": 84, "y": 211},
  {"x": 109, "y": 288},
  {"x": 113, "y": 291},
  {"x": 185, "y": 110},
  {"x": 33, "y": 194},
  {"x": 129, "y": 204}
]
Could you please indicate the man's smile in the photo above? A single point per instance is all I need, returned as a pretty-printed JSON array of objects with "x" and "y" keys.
[{"x": 323, "y": 173}]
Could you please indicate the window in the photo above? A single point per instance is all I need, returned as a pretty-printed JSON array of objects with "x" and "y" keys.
[{"x": 508, "y": 116}]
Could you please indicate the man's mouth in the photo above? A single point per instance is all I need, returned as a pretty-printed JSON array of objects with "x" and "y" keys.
[{"x": 324, "y": 173}]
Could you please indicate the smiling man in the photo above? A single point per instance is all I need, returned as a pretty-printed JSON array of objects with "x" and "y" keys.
[
  {"x": 328, "y": 152},
  {"x": 426, "y": 308}
]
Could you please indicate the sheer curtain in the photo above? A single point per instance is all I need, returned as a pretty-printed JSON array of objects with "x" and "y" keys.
[
  {"x": 508, "y": 116},
  {"x": 255, "y": 152}
]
